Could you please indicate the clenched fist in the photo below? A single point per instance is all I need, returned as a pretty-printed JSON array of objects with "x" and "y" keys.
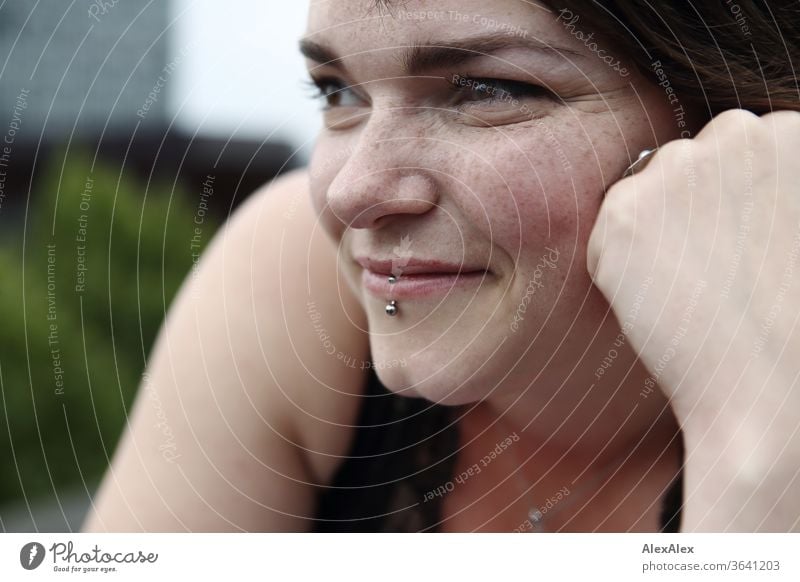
[{"x": 707, "y": 239}]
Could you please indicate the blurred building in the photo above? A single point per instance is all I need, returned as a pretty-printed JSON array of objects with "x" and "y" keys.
[
  {"x": 101, "y": 74},
  {"x": 87, "y": 64},
  {"x": 133, "y": 82}
]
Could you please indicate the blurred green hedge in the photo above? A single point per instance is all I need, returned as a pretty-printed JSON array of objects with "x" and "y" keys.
[{"x": 71, "y": 355}]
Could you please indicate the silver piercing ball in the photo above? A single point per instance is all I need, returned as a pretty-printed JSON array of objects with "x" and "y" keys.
[{"x": 391, "y": 308}]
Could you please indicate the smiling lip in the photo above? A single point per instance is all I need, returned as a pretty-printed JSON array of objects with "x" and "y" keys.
[{"x": 416, "y": 278}]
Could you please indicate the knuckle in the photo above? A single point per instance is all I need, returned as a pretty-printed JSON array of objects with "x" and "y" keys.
[
  {"x": 784, "y": 124},
  {"x": 675, "y": 150},
  {"x": 669, "y": 161},
  {"x": 735, "y": 116},
  {"x": 784, "y": 116},
  {"x": 729, "y": 123}
]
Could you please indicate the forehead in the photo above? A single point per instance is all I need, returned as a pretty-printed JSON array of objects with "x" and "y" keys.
[{"x": 357, "y": 25}]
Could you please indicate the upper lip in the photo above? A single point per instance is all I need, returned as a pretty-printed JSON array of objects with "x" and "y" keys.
[{"x": 411, "y": 266}]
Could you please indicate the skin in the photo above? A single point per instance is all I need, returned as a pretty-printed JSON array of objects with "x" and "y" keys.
[
  {"x": 723, "y": 312},
  {"x": 465, "y": 179}
]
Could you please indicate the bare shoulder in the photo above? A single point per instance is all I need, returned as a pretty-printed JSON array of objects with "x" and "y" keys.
[
  {"x": 323, "y": 327},
  {"x": 283, "y": 252},
  {"x": 243, "y": 411}
]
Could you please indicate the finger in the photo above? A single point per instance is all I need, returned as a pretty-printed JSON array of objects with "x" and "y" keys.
[{"x": 641, "y": 162}]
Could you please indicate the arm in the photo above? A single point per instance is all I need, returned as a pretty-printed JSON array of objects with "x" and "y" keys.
[
  {"x": 237, "y": 419},
  {"x": 715, "y": 221}
]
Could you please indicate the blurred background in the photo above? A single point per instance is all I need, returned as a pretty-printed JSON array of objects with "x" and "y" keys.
[{"x": 129, "y": 131}]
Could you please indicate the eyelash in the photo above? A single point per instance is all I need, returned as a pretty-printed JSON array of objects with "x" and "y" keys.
[
  {"x": 318, "y": 88},
  {"x": 507, "y": 90},
  {"x": 488, "y": 90}
]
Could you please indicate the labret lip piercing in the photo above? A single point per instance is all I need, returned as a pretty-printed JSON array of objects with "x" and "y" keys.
[{"x": 391, "y": 307}]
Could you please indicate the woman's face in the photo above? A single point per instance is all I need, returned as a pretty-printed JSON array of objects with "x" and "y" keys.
[{"x": 479, "y": 135}]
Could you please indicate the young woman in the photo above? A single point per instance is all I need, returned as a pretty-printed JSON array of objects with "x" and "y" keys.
[{"x": 464, "y": 318}]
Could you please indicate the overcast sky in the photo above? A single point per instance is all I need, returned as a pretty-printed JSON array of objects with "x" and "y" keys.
[{"x": 241, "y": 73}]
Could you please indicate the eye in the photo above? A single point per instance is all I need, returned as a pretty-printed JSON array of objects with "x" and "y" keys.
[
  {"x": 334, "y": 93},
  {"x": 492, "y": 91}
]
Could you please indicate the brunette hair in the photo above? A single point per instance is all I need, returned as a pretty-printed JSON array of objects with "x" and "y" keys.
[{"x": 717, "y": 55}]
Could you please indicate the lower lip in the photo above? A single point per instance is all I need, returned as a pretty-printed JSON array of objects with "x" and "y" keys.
[{"x": 419, "y": 285}]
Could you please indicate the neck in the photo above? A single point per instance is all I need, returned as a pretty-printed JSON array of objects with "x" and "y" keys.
[
  {"x": 613, "y": 443},
  {"x": 606, "y": 435},
  {"x": 599, "y": 408},
  {"x": 616, "y": 485}
]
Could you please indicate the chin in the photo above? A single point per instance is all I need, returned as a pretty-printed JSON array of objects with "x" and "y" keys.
[{"x": 425, "y": 377}]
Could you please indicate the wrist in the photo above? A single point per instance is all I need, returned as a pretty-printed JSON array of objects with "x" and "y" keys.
[{"x": 741, "y": 474}]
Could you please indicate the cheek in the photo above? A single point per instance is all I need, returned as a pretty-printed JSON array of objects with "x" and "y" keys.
[{"x": 537, "y": 187}]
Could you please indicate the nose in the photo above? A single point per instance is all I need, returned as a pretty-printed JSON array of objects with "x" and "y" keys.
[{"x": 385, "y": 176}]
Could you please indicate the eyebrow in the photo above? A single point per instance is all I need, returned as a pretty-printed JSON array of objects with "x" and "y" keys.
[{"x": 421, "y": 58}]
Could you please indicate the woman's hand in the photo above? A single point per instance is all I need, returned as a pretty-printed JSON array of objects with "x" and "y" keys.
[{"x": 706, "y": 239}]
